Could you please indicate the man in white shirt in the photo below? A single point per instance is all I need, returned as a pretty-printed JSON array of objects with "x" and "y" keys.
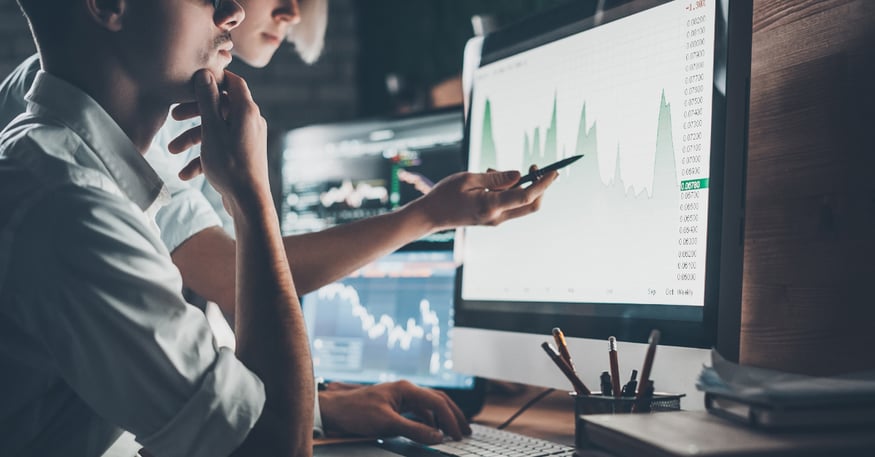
[{"x": 95, "y": 336}]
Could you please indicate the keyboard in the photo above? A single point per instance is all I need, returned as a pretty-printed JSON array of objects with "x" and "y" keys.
[{"x": 491, "y": 442}]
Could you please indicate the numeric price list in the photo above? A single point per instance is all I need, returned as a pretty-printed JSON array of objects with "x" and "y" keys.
[{"x": 694, "y": 142}]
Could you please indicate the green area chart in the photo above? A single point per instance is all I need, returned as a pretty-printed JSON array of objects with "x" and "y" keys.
[{"x": 545, "y": 151}]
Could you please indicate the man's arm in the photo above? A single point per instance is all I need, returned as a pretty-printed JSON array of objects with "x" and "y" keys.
[
  {"x": 319, "y": 258},
  {"x": 271, "y": 336},
  {"x": 206, "y": 260}
]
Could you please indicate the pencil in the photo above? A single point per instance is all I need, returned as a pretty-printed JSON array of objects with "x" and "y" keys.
[
  {"x": 578, "y": 385},
  {"x": 615, "y": 367},
  {"x": 562, "y": 346},
  {"x": 644, "y": 381}
]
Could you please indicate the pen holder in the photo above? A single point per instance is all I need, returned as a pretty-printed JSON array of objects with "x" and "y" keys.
[{"x": 602, "y": 404}]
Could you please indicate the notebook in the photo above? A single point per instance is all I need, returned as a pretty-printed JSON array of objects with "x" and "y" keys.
[
  {"x": 391, "y": 320},
  {"x": 698, "y": 433},
  {"x": 777, "y": 416}
]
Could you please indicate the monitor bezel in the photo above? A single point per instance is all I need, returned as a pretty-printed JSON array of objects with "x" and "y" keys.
[{"x": 717, "y": 322}]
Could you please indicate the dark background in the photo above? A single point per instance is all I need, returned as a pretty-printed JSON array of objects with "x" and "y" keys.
[{"x": 419, "y": 40}]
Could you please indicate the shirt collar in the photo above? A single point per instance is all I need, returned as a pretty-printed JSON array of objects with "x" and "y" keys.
[{"x": 55, "y": 98}]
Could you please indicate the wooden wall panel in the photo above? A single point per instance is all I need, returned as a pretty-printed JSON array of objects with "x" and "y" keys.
[{"x": 809, "y": 282}]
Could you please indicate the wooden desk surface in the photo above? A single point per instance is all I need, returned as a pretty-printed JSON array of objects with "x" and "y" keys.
[{"x": 552, "y": 418}]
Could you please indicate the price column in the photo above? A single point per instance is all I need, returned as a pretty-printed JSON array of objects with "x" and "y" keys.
[{"x": 694, "y": 144}]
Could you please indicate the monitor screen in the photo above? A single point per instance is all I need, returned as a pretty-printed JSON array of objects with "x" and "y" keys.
[
  {"x": 643, "y": 232},
  {"x": 387, "y": 321},
  {"x": 338, "y": 173}
]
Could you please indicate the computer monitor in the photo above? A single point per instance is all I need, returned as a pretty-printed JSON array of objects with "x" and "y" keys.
[
  {"x": 388, "y": 321},
  {"x": 343, "y": 172},
  {"x": 645, "y": 231}
]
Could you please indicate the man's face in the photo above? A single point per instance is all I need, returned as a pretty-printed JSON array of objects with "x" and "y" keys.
[
  {"x": 169, "y": 40},
  {"x": 267, "y": 24}
]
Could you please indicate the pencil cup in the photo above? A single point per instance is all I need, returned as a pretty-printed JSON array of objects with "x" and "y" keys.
[{"x": 601, "y": 404}]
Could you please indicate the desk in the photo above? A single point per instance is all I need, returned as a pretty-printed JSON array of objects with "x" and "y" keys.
[{"x": 551, "y": 419}]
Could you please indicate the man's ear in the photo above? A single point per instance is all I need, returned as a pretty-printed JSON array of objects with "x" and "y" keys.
[{"x": 107, "y": 13}]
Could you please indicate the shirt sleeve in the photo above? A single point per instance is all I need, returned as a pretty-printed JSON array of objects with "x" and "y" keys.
[
  {"x": 100, "y": 293},
  {"x": 188, "y": 212}
]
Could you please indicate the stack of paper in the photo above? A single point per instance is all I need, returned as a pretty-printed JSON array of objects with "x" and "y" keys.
[{"x": 769, "y": 398}]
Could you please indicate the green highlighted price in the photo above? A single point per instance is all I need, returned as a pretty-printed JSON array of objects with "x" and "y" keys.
[{"x": 694, "y": 184}]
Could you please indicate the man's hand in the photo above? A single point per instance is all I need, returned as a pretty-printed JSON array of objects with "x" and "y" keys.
[
  {"x": 377, "y": 411},
  {"x": 481, "y": 199},
  {"x": 233, "y": 134},
  {"x": 189, "y": 138}
]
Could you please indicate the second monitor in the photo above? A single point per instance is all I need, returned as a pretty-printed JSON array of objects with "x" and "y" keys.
[{"x": 343, "y": 172}]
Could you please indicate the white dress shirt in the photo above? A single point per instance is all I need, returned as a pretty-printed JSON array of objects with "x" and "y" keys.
[
  {"x": 193, "y": 206},
  {"x": 95, "y": 337}
]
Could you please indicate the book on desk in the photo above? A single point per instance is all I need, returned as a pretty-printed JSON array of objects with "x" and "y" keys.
[
  {"x": 698, "y": 433},
  {"x": 772, "y": 399},
  {"x": 772, "y": 416}
]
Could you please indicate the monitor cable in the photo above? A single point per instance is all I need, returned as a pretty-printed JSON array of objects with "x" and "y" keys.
[{"x": 523, "y": 408}]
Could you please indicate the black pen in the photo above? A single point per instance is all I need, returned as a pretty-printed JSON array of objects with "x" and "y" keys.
[
  {"x": 579, "y": 386},
  {"x": 607, "y": 388},
  {"x": 629, "y": 387},
  {"x": 537, "y": 174}
]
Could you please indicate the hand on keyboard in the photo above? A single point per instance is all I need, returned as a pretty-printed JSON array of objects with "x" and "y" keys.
[
  {"x": 491, "y": 442},
  {"x": 378, "y": 410}
]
